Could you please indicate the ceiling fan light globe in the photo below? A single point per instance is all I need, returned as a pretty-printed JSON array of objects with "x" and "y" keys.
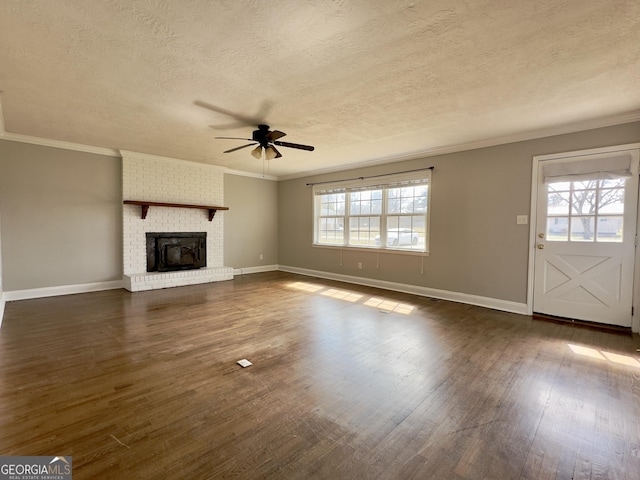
[
  {"x": 257, "y": 152},
  {"x": 270, "y": 153}
]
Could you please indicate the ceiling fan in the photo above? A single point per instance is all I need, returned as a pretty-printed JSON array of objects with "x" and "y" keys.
[{"x": 266, "y": 140}]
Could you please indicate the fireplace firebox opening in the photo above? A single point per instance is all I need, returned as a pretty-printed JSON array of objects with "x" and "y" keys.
[{"x": 170, "y": 251}]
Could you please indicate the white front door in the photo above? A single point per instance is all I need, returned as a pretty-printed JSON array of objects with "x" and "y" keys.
[{"x": 585, "y": 237}]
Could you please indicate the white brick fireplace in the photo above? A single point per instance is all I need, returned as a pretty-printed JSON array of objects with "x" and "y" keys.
[{"x": 159, "y": 179}]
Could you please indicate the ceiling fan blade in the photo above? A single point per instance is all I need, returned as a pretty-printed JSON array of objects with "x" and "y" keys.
[
  {"x": 228, "y": 126},
  {"x": 276, "y": 134},
  {"x": 238, "y": 148},
  {"x": 272, "y": 152},
  {"x": 241, "y": 118},
  {"x": 234, "y": 138},
  {"x": 295, "y": 145},
  {"x": 257, "y": 152}
]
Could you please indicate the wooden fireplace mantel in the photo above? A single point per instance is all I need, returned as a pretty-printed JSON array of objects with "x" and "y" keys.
[{"x": 145, "y": 207}]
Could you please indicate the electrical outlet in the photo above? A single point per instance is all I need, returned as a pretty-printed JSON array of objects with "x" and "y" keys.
[
  {"x": 261, "y": 257},
  {"x": 359, "y": 265}
]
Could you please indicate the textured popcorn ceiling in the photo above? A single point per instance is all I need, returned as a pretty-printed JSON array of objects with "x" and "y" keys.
[{"x": 362, "y": 80}]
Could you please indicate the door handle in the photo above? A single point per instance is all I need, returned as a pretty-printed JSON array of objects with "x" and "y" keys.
[{"x": 540, "y": 246}]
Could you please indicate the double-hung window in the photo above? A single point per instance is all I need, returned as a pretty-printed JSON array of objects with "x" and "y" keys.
[{"x": 389, "y": 212}]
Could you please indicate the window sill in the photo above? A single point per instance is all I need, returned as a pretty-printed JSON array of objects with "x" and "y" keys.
[{"x": 372, "y": 249}]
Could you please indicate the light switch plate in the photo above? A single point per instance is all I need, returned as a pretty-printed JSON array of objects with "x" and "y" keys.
[{"x": 522, "y": 219}]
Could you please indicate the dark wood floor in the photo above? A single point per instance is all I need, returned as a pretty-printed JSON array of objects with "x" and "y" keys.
[{"x": 348, "y": 382}]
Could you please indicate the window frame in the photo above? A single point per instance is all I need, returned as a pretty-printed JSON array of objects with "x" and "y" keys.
[{"x": 389, "y": 182}]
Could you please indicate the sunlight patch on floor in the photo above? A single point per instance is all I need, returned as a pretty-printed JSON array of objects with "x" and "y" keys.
[
  {"x": 306, "y": 287},
  {"x": 389, "y": 306},
  {"x": 622, "y": 359},
  {"x": 602, "y": 355},
  {"x": 342, "y": 295},
  {"x": 347, "y": 296}
]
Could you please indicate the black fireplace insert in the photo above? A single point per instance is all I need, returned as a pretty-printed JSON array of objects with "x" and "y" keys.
[{"x": 169, "y": 251}]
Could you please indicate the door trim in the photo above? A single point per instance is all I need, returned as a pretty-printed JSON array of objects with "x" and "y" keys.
[{"x": 537, "y": 159}]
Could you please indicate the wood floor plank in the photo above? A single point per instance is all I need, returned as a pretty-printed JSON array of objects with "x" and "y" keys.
[{"x": 347, "y": 382}]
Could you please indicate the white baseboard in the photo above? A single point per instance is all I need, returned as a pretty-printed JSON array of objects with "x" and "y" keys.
[
  {"x": 61, "y": 290},
  {"x": 494, "y": 303},
  {"x": 27, "y": 294},
  {"x": 2, "y": 302},
  {"x": 260, "y": 269}
]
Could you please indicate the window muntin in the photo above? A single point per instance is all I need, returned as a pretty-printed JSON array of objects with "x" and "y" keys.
[
  {"x": 585, "y": 210},
  {"x": 363, "y": 230},
  {"x": 365, "y": 202},
  {"x": 392, "y": 215},
  {"x": 331, "y": 220}
]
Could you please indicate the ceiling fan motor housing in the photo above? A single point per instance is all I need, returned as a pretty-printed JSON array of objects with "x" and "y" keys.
[{"x": 260, "y": 135}]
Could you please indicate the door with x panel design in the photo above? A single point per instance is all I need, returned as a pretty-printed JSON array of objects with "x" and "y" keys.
[{"x": 585, "y": 237}]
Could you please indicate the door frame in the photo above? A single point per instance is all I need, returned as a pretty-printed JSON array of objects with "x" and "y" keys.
[{"x": 537, "y": 160}]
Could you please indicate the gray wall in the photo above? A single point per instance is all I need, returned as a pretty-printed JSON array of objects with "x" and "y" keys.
[
  {"x": 58, "y": 204},
  {"x": 61, "y": 216},
  {"x": 251, "y": 224},
  {"x": 476, "y": 247}
]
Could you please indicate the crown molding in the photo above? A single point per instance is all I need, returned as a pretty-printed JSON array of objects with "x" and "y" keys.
[
  {"x": 574, "y": 127},
  {"x": 242, "y": 173},
  {"x": 16, "y": 137},
  {"x": 45, "y": 142},
  {"x": 158, "y": 158},
  {"x": 603, "y": 122}
]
